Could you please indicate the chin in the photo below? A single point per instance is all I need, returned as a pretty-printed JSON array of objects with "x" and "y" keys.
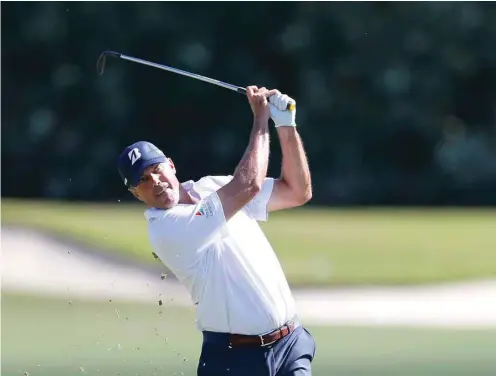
[
  {"x": 164, "y": 204},
  {"x": 168, "y": 202}
]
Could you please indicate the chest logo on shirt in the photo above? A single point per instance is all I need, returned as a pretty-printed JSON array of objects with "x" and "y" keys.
[
  {"x": 205, "y": 210},
  {"x": 200, "y": 212}
]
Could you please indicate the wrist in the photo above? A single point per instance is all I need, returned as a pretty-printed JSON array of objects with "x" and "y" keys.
[
  {"x": 286, "y": 132},
  {"x": 260, "y": 120}
]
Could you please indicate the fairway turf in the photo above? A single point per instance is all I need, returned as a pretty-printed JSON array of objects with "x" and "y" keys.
[
  {"x": 315, "y": 246},
  {"x": 49, "y": 337}
]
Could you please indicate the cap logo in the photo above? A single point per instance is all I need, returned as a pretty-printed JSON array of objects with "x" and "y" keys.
[{"x": 134, "y": 155}]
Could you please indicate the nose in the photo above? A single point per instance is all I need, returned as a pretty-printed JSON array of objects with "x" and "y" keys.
[{"x": 155, "y": 179}]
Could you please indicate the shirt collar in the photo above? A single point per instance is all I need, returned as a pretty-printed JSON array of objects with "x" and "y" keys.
[{"x": 189, "y": 186}]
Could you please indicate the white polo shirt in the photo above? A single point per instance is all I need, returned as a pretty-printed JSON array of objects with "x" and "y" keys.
[{"x": 229, "y": 268}]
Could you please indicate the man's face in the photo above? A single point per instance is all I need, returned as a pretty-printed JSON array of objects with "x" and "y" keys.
[{"x": 158, "y": 186}]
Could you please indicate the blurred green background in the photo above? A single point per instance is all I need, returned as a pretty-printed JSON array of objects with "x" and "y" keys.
[
  {"x": 397, "y": 110},
  {"x": 316, "y": 246}
]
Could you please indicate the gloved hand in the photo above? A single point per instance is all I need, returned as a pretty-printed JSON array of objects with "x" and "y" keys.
[{"x": 279, "y": 114}]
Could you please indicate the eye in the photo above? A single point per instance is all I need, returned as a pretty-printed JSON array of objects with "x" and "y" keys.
[{"x": 160, "y": 167}]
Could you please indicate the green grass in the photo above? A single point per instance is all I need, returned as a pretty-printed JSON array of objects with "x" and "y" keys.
[
  {"x": 315, "y": 246},
  {"x": 46, "y": 337}
]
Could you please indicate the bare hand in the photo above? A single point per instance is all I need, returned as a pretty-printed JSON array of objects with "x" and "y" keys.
[{"x": 257, "y": 97}]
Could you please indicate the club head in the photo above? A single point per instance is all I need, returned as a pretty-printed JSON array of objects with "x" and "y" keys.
[{"x": 100, "y": 64}]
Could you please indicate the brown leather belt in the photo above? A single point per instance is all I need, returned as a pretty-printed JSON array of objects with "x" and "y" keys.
[{"x": 264, "y": 339}]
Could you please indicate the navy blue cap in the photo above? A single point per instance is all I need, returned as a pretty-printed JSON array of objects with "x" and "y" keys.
[{"x": 135, "y": 159}]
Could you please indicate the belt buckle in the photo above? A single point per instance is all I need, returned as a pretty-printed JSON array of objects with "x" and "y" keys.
[{"x": 265, "y": 343}]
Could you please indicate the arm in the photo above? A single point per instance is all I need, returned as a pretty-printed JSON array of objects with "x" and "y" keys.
[
  {"x": 251, "y": 171},
  {"x": 186, "y": 230},
  {"x": 294, "y": 187}
]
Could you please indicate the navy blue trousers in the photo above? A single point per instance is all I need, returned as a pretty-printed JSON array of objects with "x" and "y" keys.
[{"x": 290, "y": 356}]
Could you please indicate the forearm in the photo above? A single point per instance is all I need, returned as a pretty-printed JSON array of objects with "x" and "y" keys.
[
  {"x": 252, "y": 169},
  {"x": 295, "y": 170}
]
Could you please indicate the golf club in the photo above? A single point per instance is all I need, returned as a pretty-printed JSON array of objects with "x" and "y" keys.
[{"x": 100, "y": 66}]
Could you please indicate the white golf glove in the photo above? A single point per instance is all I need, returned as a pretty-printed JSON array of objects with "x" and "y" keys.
[{"x": 282, "y": 117}]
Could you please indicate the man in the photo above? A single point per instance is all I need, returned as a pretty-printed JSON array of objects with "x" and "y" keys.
[{"x": 207, "y": 233}]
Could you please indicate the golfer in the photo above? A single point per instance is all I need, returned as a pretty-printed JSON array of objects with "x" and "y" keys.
[{"x": 207, "y": 233}]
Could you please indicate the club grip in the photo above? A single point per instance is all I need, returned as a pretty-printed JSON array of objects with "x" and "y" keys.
[{"x": 290, "y": 107}]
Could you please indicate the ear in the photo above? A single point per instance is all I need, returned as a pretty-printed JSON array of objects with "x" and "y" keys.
[{"x": 171, "y": 165}]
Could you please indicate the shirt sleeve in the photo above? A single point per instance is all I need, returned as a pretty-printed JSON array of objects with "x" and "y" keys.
[
  {"x": 180, "y": 234},
  {"x": 257, "y": 208}
]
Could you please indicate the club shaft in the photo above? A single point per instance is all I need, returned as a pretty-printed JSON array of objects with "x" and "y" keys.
[
  {"x": 238, "y": 89},
  {"x": 185, "y": 73}
]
